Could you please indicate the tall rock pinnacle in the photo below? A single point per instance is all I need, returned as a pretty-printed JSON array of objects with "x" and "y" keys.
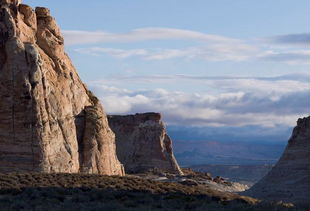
[
  {"x": 143, "y": 144},
  {"x": 289, "y": 180},
  {"x": 49, "y": 121}
]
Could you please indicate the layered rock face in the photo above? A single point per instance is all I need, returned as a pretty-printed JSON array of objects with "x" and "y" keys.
[
  {"x": 49, "y": 121},
  {"x": 289, "y": 180},
  {"x": 142, "y": 143}
]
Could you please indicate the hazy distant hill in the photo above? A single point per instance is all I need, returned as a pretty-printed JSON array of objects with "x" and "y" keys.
[
  {"x": 245, "y": 174},
  {"x": 253, "y": 134},
  {"x": 236, "y": 153},
  {"x": 226, "y": 145}
]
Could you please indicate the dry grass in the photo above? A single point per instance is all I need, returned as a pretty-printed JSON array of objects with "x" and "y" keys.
[{"x": 96, "y": 192}]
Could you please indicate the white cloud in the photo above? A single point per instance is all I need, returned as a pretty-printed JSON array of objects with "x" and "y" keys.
[
  {"x": 74, "y": 37},
  {"x": 262, "y": 86},
  {"x": 291, "y": 57},
  {"x": 119, "y": 53},
  {"x": 285, "y": 49},
  {"x": 283, "y": 84},
  {"x": 211, "y": 52},
  {"x": 211, "y": 47},
  {"x": 267, "y": 102}
]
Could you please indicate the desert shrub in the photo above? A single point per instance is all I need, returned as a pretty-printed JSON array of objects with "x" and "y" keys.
[{"x": 97, "y": 192}]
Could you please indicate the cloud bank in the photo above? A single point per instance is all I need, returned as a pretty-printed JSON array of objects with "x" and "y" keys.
[
  {"x": 288, "y": 49},
  {"x": 292, "y": 39},
  {"x": 212, "y": 52},
  {"x": 264, "y": 102},
  {"x": 74, "y": 37},
  {"x": 232, "y": 101}
]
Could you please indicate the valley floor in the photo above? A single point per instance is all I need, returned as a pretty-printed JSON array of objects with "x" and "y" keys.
[{"x": 33, "y": 191}]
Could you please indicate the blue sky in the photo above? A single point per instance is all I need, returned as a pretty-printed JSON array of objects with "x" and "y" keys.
[{"x": 201, "y": 63}]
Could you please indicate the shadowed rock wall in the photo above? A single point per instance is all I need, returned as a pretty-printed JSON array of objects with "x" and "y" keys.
[
  {"x": 289, "y": 180},
  {"x": 142, "y": 143}
]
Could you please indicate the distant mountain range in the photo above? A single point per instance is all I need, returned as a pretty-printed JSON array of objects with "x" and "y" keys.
[
  {"x": 241, "y": 146},
  {"x": 245, "y": 174},
  {"x": 214, "y": 152}
]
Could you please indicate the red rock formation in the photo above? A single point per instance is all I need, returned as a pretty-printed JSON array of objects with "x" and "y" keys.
[
  {"x": 49, "y": 121},
  {"x": 142, "y": 143},
  {"x": 289, "y": 180}
]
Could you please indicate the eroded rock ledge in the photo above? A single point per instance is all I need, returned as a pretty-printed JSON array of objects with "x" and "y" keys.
[
  {"x": 143, "y": 143},
  {"x": 289, "y": 180},
  {"x": 49, "y": 121}
]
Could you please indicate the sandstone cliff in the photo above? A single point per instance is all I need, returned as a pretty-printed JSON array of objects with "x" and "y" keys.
[
  {"x": 49, "y": 121},
  {"x": 142, "y": 143},
  {"x": 289, "y": 180}
]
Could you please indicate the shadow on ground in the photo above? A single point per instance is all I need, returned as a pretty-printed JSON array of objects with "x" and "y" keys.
[{"x": 96, "y": 192}]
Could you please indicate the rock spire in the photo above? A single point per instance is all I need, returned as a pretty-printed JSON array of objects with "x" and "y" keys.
[
  {"x": 49, "y": 121},
  {"x": 143, "y": 143}
]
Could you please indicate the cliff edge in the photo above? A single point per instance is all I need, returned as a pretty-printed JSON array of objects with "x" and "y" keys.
[
  {"x": 289, "y": 180},
  {"x": 142, "y": 143},
  {"x": 49, "y": 121}
]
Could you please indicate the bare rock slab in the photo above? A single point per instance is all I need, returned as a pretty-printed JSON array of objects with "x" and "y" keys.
[
  {"x": 289, "y": 180},
  {"x": 49, "y": 121},
  {"x": 143, "y": 143}
]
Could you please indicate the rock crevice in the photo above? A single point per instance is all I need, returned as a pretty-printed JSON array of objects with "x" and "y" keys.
[
  {"x": 41, "y": 96},
  {"x": 143, "y": 143}
]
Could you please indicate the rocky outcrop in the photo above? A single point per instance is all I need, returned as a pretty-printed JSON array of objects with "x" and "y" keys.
[
  {"x": 49, "y": 121},
  {"x": 289, "y": 180},
  {"x": 143, "y": 144}
]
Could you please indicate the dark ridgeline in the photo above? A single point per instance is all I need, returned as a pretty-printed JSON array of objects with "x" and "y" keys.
[{"x": 289, "y": 180}]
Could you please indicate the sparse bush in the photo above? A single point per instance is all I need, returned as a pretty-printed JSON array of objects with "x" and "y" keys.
[{"x": 97, "y": 192}]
